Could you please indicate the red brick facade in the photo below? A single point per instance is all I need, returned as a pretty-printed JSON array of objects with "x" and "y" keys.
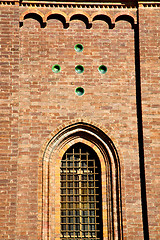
[{"x": 118, "y": 116}]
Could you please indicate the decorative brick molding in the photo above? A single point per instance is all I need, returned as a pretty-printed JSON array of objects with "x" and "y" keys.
[
  {"x": 87, "y": 4},
  {"x": 81, "y": 15},
  {"x": 56, "y": 12},
  {"x": 149, "y": 4},
  {"x": 29, "y": 11},
  {"x": 49, "y": 179}
]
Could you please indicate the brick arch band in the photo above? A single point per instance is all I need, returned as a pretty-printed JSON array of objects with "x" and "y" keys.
[
  {"x": 49, "y": 179},
  {"x": 78, "y": 15}
]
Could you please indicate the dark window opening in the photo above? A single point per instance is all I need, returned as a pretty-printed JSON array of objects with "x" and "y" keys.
[{"x": 81, "y": 195}]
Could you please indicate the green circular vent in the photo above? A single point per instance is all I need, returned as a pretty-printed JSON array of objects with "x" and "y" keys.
[
  {"x": 78, "y": 47},
  {"x": 79, "y": 69},
  {"x": 79, "y": 91},
  {"x": 102, "y": 69},
  {"x": 56, "y": 68}
]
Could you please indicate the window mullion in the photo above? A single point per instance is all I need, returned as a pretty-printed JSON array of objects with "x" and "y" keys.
[
  {"x": 66, "y": 196},
  {"x": 87, "y": 194},
  {"x": 95, "y": 197},
  {"x": 80, "y": 192},
  {"x": 74, "y": 227}
]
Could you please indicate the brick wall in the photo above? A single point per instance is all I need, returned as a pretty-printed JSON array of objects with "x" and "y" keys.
[
  {"x": 9, "y": 84},
  {"x": 36, "y": 101},
  {"x": 150, "y": 74}
]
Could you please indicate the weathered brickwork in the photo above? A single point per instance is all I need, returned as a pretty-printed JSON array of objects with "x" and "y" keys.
[
  {"x": 37, "y": 103},
  {"x": 150, "y": 73},
  {"x": 9, "y": 82}
]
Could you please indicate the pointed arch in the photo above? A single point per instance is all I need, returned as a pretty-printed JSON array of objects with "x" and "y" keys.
[{"x": 53, "y": 151}]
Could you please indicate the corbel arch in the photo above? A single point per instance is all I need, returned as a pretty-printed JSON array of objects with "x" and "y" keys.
[
  {"x": 35, "y": 14},
  {"x": 82, "y": 16},
  {"x": 126, "y": 17},
  {"x": 59, "y": 15},
  {"x": 103, "y": 17},
  {"x": 49, "y": 211}
]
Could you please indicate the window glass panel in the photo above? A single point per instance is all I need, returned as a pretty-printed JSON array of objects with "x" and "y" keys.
[
  {"x": 76, "y": 205},
  {"x": 70, "y": 212},
  {"x": 77, "y": 220},
  {"x": 91, "y": 184},
  {"x": 84, "y": 213},
  {"x": 63, "y": 220},
  {"x": 63, "y": 191},
  {"x": 63, "y": 198},
  {"x": 63, "y": 205},
  {"x": 70, "y": 177},
  {"x": 91, "y": 191},
  {"x": 92, "y": 220},
  {"x": 63, "y": 213},
  {"x": 91, "y": 205},
  {"x": 63, "y": 184},
  {"x": 77, "y": 212},
  {"x": 76, "y": 184},
  {"x": 70, "y": 219},
  {"x": 70, "y": 205},
  {"x": 76, "y": 177},
  {"x": 90, "y": 177},
  {"x": 76, "y": 198},
  {"x": 63, "y": 227},
  {"x": 70, "y": 184},
  {"x": 91, "y": 198},
  {"x": 84, "y": 205},
  {"x": 84, "y": 177},
  {"x": 84, "y": 220},
  {"x": 63, "y": 164},
  {"x": 84, "y": 227}
]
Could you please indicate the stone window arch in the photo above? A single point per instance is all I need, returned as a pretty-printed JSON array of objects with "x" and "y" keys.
[{"x": 50, "y": 201}]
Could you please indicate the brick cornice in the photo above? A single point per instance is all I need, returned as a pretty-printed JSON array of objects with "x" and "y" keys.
[
  {"x": 70, "y": 4},
  {"x": 105, "y": 4},
  {"x": 149, "y": 3}
]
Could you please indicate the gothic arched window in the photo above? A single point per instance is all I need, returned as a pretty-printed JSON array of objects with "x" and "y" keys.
[
  {"x": 81, "y": 195},
  {"x": 80, "y": 184}
]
